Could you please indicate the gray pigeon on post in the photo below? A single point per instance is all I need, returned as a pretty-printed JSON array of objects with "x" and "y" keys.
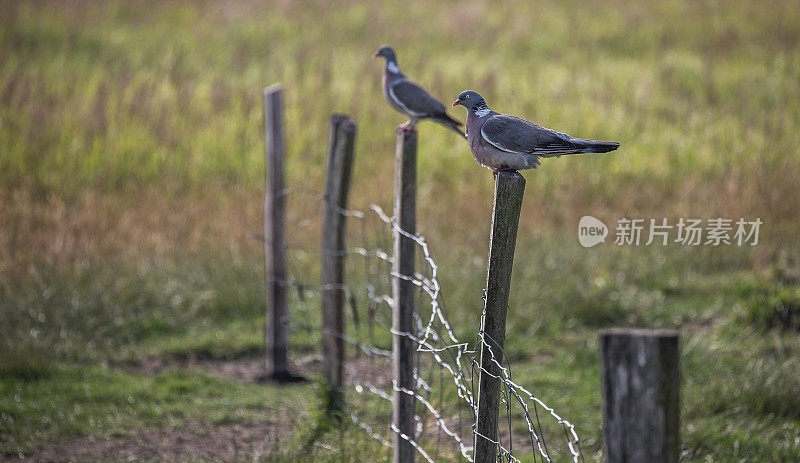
[
  {"x": 503, "y": 142},
  {"x": 409, "y": 98}
]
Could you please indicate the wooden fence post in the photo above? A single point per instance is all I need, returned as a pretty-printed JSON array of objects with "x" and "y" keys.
[
  {"x": 405, "y": 198},
  {"x": 508, "y": 192},
  {"x": 274, "y": 239},
  {"x": 341, "y": 143},
  {"x": 641, "y": 395}
]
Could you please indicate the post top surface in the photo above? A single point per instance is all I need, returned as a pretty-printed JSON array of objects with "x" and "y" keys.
[
  {"x": 509, "y": 174},
  {"x": 344, "y": 120},
  {"x": 274, "y": 88},
  {"x": 407, "y": 135},
  {"x": 509, "y": 179}
]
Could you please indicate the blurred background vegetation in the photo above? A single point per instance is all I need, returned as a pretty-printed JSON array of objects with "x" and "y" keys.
[{"x": 131, "y": 173}]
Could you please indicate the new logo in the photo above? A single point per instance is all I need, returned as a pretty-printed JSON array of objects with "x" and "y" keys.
[{"x": 591, "y": 231}]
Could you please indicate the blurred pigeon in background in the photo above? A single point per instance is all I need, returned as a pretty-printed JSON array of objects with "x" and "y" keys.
[
  {"x": 409, "y": 98},
  {"x": 503, "y": 142}
]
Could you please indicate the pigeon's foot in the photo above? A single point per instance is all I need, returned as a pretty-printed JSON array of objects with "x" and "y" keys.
[{"x": 405, "y": 128}]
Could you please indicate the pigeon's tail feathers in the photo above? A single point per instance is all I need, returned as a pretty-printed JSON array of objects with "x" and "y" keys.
[
  {"x": 602, "y": 147},
  {"x": 595, "y": 146},
  {"x": 451, "y": 123}
]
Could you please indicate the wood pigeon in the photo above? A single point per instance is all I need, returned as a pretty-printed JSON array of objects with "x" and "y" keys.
[
  {"x": 411, "y": 99},
  {"x": 504, "y": 142}
]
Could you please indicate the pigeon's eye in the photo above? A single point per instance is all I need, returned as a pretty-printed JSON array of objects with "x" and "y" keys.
[{"x": 466, "y": 96}]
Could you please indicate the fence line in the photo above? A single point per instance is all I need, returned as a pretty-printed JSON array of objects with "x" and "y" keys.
[
  {"x": 423, "y": 337},
  {"x": 456, "y": 359}
]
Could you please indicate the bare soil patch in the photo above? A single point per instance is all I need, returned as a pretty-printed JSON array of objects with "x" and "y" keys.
[{"x": 198, "y": 441}]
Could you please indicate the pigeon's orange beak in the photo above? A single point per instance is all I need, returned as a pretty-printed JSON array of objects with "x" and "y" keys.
[
  {"x": 375, "y": 55},
  {"x": 456, "y": 102}
]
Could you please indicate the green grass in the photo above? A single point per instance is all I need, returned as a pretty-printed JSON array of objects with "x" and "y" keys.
[
  {"x": 171, "y": 93},
  {"x": 98, "y": 401},
  {"x": 738, "y": 387},
  {"x": 131, "y": 170}
]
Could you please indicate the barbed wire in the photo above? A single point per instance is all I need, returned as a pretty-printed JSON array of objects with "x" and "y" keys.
[{"x": 437, "y": 346}]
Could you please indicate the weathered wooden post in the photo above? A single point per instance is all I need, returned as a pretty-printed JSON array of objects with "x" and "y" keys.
[
  {"x": 341, "y": 143},
  {"x": 274, "y": 239},
  {"x": 508, "y": 191},
  {"x": 405, "y": 198},
  {"x": 641, "y": 395}
]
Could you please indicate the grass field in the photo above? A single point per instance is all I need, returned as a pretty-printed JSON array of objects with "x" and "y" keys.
[{"x": 131, "y": 172}]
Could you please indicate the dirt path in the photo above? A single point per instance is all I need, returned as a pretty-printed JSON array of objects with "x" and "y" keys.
[{"x": 197, "y": 441}]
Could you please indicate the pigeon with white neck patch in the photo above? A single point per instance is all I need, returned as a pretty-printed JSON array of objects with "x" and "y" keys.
[
  {"x": 411, "y": 99},
  {"x": 504, "y": 142}
]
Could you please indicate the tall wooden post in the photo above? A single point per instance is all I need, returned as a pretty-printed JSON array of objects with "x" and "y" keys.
[
  {"x": 274, "y": 239},
  {"x": 508, "y": 191},
  {"x": 641, "y": 395},
  {"x": 405, "y": 198},
  {"x": 341, "y": 143}
]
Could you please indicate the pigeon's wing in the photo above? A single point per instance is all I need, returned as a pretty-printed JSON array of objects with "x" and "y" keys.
[
  {"x": 516, "y": 135},
  {"x": 415, "y": 100}
]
